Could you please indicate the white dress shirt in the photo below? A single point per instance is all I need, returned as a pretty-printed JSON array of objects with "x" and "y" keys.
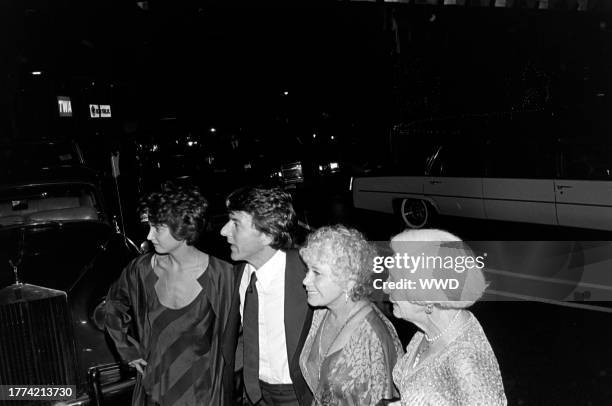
[{"x": 273, "y": 363}]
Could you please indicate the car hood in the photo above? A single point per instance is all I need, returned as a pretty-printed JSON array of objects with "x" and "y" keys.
[{"x": 53, "y": 254}]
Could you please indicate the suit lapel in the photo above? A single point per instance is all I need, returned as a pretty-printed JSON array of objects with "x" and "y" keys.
[
  {"x": 233, "y": 322},
  {"x": 295, "y": 302}
]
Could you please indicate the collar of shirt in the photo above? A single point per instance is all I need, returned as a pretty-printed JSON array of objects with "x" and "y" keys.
[{"x": 270, "y": 272}]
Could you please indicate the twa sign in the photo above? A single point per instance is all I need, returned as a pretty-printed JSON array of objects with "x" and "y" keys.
[{"x": 65, "y": 106}]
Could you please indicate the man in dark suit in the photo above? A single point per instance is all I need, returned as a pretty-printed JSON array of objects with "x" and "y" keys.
[{"x": 269, "y": 300}]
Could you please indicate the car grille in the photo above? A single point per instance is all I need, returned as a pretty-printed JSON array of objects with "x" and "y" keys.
[{"x": 36, "y": 339}]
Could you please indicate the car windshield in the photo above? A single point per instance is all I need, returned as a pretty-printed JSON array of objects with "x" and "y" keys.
[
  {"x": 48, "y": 203},
  {"x": 17, "y": 157}
]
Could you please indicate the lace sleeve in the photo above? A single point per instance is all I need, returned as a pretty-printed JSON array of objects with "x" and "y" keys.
[
  {"x": 380, "y": 356},
  {"x": 477, "y": 378}
]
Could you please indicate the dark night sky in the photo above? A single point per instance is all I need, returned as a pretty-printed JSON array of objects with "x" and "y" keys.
[{"x": 208, "y": 63}]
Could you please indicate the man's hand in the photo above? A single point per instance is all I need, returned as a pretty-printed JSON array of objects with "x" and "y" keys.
[{"x": 139, "y": 364}]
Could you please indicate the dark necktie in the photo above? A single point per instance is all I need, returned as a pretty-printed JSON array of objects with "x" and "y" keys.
[{"x": 250, "y": 317}]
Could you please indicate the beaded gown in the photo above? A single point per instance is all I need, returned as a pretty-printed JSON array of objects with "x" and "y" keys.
[
  {"x": 464, "y": 373},
  {"x": 182, "y": 346}
]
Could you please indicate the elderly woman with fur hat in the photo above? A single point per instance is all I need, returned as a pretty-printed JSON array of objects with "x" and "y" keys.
[{"x": 450, "y": 361}]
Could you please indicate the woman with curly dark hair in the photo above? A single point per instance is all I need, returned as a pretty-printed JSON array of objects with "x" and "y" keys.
[{"x": 168, "y": 309}]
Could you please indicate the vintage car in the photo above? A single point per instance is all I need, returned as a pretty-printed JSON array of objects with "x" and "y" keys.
[
  {"x": 60, "y": 252},
  {"x": 534, "y": 169}
]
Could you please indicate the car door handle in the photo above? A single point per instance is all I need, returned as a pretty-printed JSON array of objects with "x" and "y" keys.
[
  {"x": 561, "y": 187},
  {"x": 434, "y": 182}
]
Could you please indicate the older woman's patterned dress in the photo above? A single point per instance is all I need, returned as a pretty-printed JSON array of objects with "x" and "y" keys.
[
  {"x": 465, "y": 373},
  {"x": 181, "y": 346},
  {"x": 358, "y": 374}
]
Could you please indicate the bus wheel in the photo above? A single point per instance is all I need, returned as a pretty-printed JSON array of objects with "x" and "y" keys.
[{"x": 415, "y": 213}]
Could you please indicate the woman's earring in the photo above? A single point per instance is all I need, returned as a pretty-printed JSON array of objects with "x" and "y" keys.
[
  {"x": 346, "y": 296},
  {"x": 429, "y": 308}
]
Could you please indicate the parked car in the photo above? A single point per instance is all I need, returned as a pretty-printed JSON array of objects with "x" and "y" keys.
[
  {"x": 60, "y": 253},
  {"x": 524, "y": 169}
]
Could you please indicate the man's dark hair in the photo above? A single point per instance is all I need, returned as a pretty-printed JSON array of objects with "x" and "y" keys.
[
  {"x": 272, "y": 212},
  {"x": 182, "y": 209}
]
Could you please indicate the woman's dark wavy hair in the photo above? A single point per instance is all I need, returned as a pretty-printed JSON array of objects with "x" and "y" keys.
[
  {"x": 182, "y": 209},
  {"x": 272, "y": 212}
]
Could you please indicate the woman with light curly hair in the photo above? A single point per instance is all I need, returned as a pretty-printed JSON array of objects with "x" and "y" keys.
[
  {"x": 450, "y": 361},
  {"x": 351, "y": 348}
]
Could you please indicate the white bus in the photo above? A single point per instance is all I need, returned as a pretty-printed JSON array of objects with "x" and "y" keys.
[{"x": 531, "y": 168}]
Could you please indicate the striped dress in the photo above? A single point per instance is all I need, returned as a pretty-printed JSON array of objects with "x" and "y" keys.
[{"x": 181, "y": 346}]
